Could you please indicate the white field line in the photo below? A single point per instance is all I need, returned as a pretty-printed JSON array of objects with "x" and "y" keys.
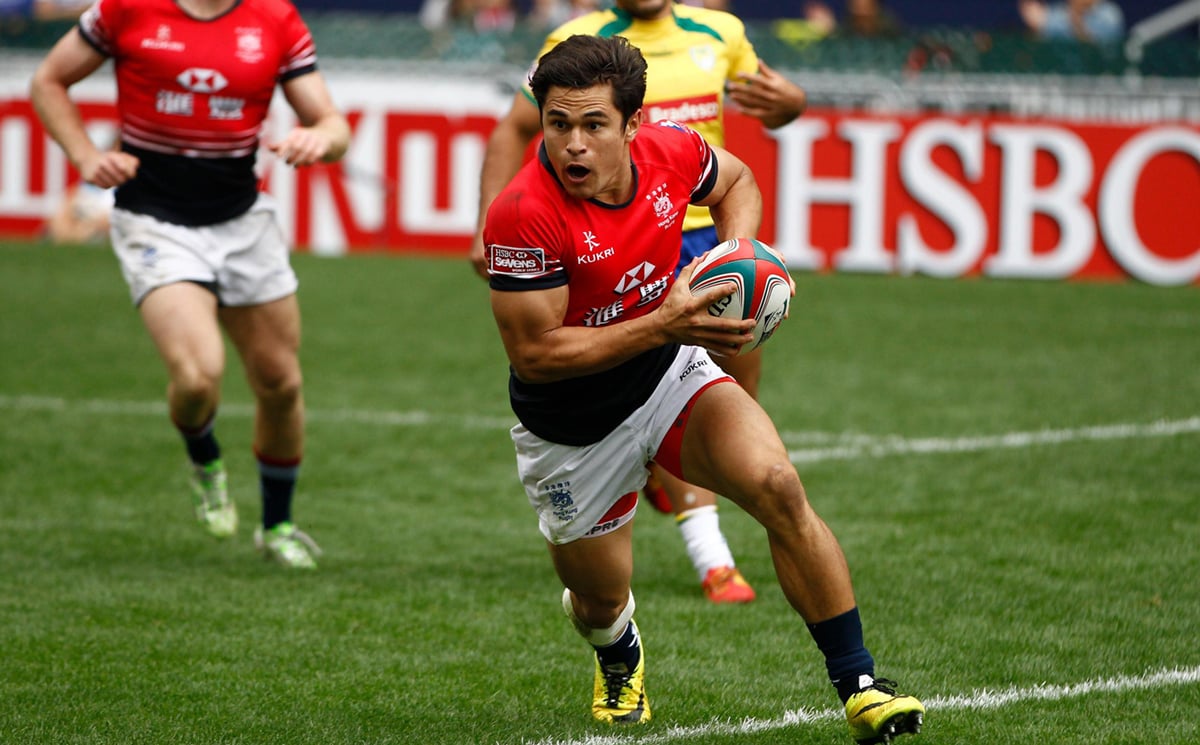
[
  {"x": 983, "y": 699},
  {"x": 825, "y": 446},
  {"x": 853, "y": 447},
  {"x": 158, "y": 409}
]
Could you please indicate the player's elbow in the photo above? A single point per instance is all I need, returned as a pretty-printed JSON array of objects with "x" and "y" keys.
[{"x": 531, "y": 368}]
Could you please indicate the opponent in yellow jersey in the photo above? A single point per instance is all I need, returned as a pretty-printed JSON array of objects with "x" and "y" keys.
[{"x": 696, "y": 59}]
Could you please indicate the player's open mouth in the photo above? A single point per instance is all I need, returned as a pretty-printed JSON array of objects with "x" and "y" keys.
[{"x": 576, "y": 172}]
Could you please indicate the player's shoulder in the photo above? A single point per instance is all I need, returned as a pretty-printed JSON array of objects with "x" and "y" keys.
[
  {"x": 718, "y": 23},
  {"x": 279, "y": 11},
  {"x": 529, "y": 196},
  {"x": 669, "y": 145},
  {"x": 667, "y": 134},
  {"x": 596, "y": 23}
]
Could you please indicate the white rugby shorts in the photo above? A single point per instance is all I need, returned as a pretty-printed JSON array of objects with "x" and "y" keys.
[
  {"x": 572, "y": 488},
  {"x": 243, "y": 260}
]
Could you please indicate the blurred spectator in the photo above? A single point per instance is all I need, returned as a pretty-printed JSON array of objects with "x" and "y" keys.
[
  {"x": 42, "y": 10},
  {"x": 438, "y": 15},
  {"x": 817, "y": 22},
  {"x": 1085, "y": 20},
  {"x": 548, "y": 14},
  {"x": 869, "y": 18},
  {"x": 491, "y": 16}
]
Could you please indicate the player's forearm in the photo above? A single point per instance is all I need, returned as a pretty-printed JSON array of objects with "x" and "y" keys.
[
  {"x": 575, "y": 351},
  {"x": 793, "y": 105},
  {"x": 337, "y": 130},
  {"x": 61, "y": 119}
]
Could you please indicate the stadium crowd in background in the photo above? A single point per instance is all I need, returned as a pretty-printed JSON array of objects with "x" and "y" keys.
[
  {"x": 604, "y": 199},
  {"x": 1100, "y": 21},
  {"x": 698, "y": 59},
  {"x": 42, "y": 10},
  {"x": 200, "y": 247}
]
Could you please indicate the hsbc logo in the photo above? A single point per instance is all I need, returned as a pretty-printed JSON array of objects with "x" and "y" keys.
[
  {"x": 200, "y": 80},
  {"x": 634, "y": 277}
]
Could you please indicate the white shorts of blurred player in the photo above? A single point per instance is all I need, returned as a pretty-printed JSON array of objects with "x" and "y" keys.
[
  {"x": 574, "y": 489},
  {"x": 244, "y": 261}
]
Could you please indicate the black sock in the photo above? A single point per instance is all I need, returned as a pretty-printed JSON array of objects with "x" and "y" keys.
[
  {"x": 201, "y": 443},
  {"x": 277, "y": 482},
  {"x": 626, "y": 650},
  {"x": 840, "y": 639}
]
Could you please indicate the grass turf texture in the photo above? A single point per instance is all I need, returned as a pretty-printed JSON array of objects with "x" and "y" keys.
[{"x": 434, "y": 617}]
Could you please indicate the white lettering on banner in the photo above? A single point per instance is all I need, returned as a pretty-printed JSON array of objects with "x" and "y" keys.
[
  {"x": 863, "y": 192},
  {"x": 943, "y": 196},
  {"x": 419, "y": 175},
  {"x": 1062, "y": 200},
  {"x": 1116, "y": 208},
  {"x": 937, "y": 195}
]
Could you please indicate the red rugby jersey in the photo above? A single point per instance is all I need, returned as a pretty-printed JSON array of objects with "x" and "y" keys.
[
  {"x": 618, "y": 260},
  {"x": 192, "y": 95}
]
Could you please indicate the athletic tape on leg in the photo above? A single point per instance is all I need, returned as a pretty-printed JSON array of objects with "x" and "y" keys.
[{"x": 598, "y": 637}]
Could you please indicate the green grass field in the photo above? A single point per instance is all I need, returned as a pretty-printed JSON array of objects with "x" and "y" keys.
[{"x": 1013, "y": 469}]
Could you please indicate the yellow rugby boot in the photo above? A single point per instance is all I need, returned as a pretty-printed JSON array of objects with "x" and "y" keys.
[
  {"x": 619, "y": 695},
  {"x": 878, "y": 713}
]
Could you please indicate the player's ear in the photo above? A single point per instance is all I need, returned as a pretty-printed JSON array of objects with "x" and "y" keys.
[{"x": 631, "y": 126}]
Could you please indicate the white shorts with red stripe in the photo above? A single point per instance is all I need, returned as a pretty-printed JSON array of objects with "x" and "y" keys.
[
  {"x": 244, "y": 261},
  {"x": 587, "y": 491}
]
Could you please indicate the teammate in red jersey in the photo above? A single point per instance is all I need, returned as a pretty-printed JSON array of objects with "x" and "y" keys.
[
  {"x": 200, "y": 247},
  {"x": 610, "y": 368}
]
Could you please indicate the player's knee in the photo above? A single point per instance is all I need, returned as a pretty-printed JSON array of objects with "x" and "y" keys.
[
  {"x": 279, "y": 386},
  {"x": 782, "y": 503},
  {"x": 195, "y": 384}
]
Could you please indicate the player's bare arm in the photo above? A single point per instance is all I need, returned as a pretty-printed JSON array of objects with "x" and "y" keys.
[
  {"x": 735, "y": 201},
  {"x": 501, "y": 160},
  {"x": 323, "y": 134},
  {"x": 542, "y": 350},
  {"x": 72, "y": 59},
  {"x": 767, "y": 96}
]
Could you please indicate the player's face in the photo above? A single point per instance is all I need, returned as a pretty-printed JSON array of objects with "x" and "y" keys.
[
  {"x": 647, "y": 10},
  {"x": 588, "y": 143}
]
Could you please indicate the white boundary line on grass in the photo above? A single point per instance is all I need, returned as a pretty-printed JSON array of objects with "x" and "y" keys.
[
  {"x": 836, "y": 446},
  {"x": 983, "y": 699},
  {"x": 159, "y": 409},
  {"x": 879, "y": 447}
]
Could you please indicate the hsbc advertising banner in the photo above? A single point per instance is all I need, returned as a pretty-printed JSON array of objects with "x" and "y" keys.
[{"x": 944, "y": 196}]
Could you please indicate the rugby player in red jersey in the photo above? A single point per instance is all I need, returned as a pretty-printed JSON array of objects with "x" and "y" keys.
[
  {"x": 610, "y": 368},
  {"x": 199, "y": 245},
  {"x": 697, "y": 61}
]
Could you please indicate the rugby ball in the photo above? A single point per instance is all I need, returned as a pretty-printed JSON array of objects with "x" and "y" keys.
[{"x": 762, "y": 292}]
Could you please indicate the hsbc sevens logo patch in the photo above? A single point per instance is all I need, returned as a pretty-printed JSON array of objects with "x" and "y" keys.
[{"x": 516, "y": 261}]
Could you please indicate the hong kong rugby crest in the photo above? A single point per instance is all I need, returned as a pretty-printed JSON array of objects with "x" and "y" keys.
[{"x": 562, "y": 504}]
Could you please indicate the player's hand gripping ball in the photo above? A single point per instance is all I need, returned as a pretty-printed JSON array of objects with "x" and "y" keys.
[{"x": 763, "y": 287}]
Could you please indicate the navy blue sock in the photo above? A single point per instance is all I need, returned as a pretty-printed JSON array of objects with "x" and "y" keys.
[
  {"x": 277, "y": 482},
  {"x": 840, "y": 639},
  {"x": 201, "y": 443},
  {"x": 626, "y": 650}
]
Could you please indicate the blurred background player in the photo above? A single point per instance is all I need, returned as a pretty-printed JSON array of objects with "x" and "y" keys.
[
  {"x": 198, "y": 244},
  {"x": 697, "y": 58}
]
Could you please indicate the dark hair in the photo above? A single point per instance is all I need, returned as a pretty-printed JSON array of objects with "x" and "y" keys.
[{"x": 583, "y": 61}]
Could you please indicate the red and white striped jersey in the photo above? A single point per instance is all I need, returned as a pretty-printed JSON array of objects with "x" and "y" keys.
[{"x": 196, "y": 89}]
